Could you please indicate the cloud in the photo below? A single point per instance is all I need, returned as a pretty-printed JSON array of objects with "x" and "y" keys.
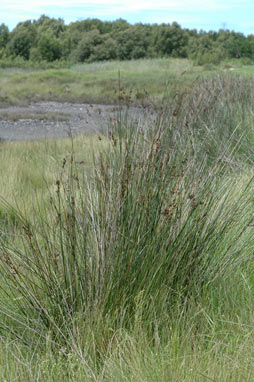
[
  {"x": 206, "y": 14},
  {"x": 106, "y": 9},
  {"x": 113, "y": 5}
]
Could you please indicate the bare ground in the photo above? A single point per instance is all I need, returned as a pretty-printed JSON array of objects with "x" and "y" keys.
[{"x": 45, "y": 120}]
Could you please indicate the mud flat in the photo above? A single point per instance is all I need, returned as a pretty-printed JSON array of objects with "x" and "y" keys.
[{"x": 47, "y": 120}]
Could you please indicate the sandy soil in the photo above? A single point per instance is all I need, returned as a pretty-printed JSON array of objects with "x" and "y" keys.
[{"x": 53, "y": 119}]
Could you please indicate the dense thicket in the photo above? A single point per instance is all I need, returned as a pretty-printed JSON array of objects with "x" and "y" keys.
[{"x": 49, "y": 39}]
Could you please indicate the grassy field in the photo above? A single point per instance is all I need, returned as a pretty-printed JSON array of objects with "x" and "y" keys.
[
  {"x": 129, "y": 256},
  {"x": 141, "y": 81}
]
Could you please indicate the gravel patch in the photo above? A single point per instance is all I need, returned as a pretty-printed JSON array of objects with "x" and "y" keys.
[{"x": 46, "y": 120}]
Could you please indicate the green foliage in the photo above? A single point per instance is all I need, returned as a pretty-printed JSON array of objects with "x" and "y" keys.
[
  {"x": 143, "y": 80},
  {"x": 86, "y": 45},
  {"x": 21, "y": 40},
  {"x": 95, "y": 47},
  {"x": 20, "y": 45},
  {"x": 135, "y": 262},
  {"x": 239, "y": 46},
  {"x": 146, "y": 230},
  {"x": 204, "y": 50},
  {"x": 4, "y": 36},
  {"x": 49, "y": 47},
  {"x": 105, "y": 51},
  {"x": 93, "y": 40},
  {"x": 53, "y": 26},
  {"x": 132, "y": 43},
  {"x": 170, "y": 40}
]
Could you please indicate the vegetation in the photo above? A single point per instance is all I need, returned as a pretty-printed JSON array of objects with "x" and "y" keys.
[
  {"x": 132, "y": 257},
  {"x": 105, "y": 83},
  {"x": 48, "y": 40},
  {"x": 143, "y": 82}
]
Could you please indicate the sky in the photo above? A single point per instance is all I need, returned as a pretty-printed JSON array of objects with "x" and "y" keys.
[{"x": 237, "y": 15}]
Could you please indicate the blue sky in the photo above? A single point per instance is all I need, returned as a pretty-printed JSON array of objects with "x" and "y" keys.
[{"x": 235, "y": 15}]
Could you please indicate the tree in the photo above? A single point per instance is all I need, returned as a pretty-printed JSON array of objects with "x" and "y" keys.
[
  {"x": 238, "y": 46},
  {"x": 86, "y": 45},
  {"x": 49, "y": 47},
  {"x": 205, "y": 49},
  {"x": 4, "y": 35},
  {"x": 21, "y": 40},
  {"x": 132, "y": 43},
  {"x": 170, "y": 40},
  {"x": 105, "y": 50},
  {"x": 20, "y": 45},
  {"x": 53, "y": 26}
]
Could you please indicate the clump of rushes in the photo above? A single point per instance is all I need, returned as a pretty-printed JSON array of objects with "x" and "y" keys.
[{"x": 153, "y": 224}]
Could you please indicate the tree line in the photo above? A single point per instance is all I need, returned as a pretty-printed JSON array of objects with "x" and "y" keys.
[{"x": 49, "y": 39}]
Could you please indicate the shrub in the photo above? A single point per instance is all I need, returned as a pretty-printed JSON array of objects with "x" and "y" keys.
[{"x": 153, "y": 223}]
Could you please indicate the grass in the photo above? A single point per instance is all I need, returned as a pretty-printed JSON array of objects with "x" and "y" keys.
[
  {"x": 142, "y": 80},
  {"x": 134, "y": 261},
  {"x": 29, "y": 170},
  {"x": 220, "y": 349},
  {"x": 139, "y": 81}
]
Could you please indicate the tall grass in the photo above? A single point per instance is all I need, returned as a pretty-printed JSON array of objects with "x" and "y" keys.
[
  {"x": 28, "y": 170},
  {"x": 97, "y": 82},
  {"x": 138, "y": 242}
]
